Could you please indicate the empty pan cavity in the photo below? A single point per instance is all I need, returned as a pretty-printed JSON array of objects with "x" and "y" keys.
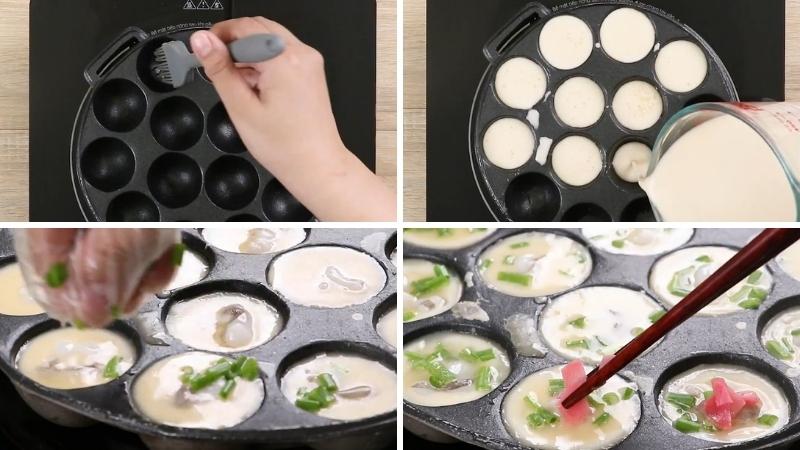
[
  {"x": 119, "y": 105},
  {"x": 279, "y": 205},
  {"x": 222, "y": 132},
  {"x": 175, "y": 180},
  {"x": 533, "y": 197},
  {"x": 108, "y": 164},
  {"x": 231, "y": 182},
  {"x": 132, "y": 207},
  {"x": 177, "y": 123}
]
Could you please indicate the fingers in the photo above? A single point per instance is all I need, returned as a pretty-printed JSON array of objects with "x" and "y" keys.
[
  {"x": 155, "y": 280},
  {"x": 231, "y": 30},
  {"x": 47, "y": 247},
  {"x": 233, "y": 88}
]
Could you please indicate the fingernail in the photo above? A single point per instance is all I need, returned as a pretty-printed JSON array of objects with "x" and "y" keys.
[{"x": 201, "y": 44}]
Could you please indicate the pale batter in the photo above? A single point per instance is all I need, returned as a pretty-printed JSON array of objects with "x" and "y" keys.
[
  {"x": 254, "y": 241},
  {"x": 509, "y": 143},
  {"x": 520, "y": 83},
  {"x": 193, "y": 268},
  {"x": 15, "y": 300},
  {"x": 627, "y": 35},
  {"x": 781, "y": 336},
  {"x": 577, "y": 160},
  {"x": 579, "y": 102},
  {"x": 445, "y": 238},
  {"x": 566, "y": 42},
  {"x": 637, "y": 105},
  {"x": 632, "y": 161},
  {"x": 424, "y": 297},
  {"x": 681, "y": 66},
  {"x": 789, "y": 261},
  {"x": 637, "y": 241},
  {"x": 387, "y": 327}
]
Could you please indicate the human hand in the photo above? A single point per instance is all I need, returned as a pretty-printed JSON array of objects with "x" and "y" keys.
[
  {"x": 281, "y": 109},
  {"x": 90, "y": 277}
]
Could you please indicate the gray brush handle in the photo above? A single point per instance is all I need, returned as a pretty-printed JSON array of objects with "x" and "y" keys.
[{"x": 256, "y": 48}]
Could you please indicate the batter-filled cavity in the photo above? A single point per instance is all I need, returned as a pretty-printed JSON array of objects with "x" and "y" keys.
[
  {"x": 387, "y": 327},
  {"x": 681, "y": 66},
  {"x": 520, "y": 83},
  {"x": 509, "y": 143},
  {"x": 627, "y": 35},
  {"x": 632, "y": 161},
  {"x": 577, "y": 160},
  {"x": 445, "y": 238},
  {"x": 789, "y": 261},
  {"x": 428, "y": 289},
  {"x": 535, "y": 264},
  {"x": 566, "y": 42},
  {"x": 192, "y": 269},
  {"x": 579, "y": 102},
  {"x": 781, "y": 336},
  {"x": 637, "y": 105},
  {"x": 637, "y": 241},
  {"x": 674, "y": 276},
  {"x": 15, "y": 300},
  {"x": 447, "y": 368},
  {"x": 254, "y": 241}
]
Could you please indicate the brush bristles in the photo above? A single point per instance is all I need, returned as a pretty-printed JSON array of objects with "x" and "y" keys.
[{"x": 160, "y": 66}]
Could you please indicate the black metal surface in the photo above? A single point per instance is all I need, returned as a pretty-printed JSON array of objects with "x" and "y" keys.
[
  {"x": 513, "y": 194},
  {"x": 748, "y": 36},
  {"x": 306, "y": 330},
  {"x": 68, "y": 35},
  {"x": 699, "y": 340}
]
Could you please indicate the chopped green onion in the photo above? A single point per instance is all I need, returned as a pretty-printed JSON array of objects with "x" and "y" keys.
[
  {"x": 439, "y": 375},
  {"x": 579, "y": 322},
  {"x": 796, "y": 332},
  {"x": 249, "y": 370},
  {"x": 611, "y": 398},
  {"x": 472, "y": 355},
  {"x": 578, "y": 343},
  {"x": 429, "y": 284},
  {"x": 440, "y": 271},
  {"x": 509, "y": 260},
  {"x": 485, "y": 264},
  {"x": 555, "y": 386},
  {"x": 594, "y": 403},
  {"x": 788, "y": 344},
  {"x": 777, "y": 350},
  {"x": 177, "y": 254},
  {"x": 683, "y": 402},
  {"x": 656, "y": 316},
  {"x": 708, "y": 394},
  {"x": 227, "y": 389},
  {"x": 768, "y": 420},
  {"x": 442, "y": 232},
  {"x": 686, "y": 426},
  {"x": 186, "y": 374},
  {"x": 57, "y": 275},
  {"x": 704, "y": 259},
  {"x": 540, "y": 416},
  {"x": 326, "y": 380},
  {"x": 308, "y": 404},
  {"x": 440, "y": 352},
  {"x": 516, "y": 278},
  {"x": 619, "y": 243},
  {"x": 483, "y": 380},
  {"x": 408, "y": 315},
  {"x": 754, "y": 277},
  {"x": 602, "y": 419},
  {"x": 627, "y": 393},
  {"x": 675, "y": 286},
  {"x": 111, "y": 369},
  {"x": 750, "y": 303},
  {"x": 207, "y": 377},
  {"x": 115, "y": 311},
  {"x": 520, "y": 245},
  {"x": 79, "y": 324}
]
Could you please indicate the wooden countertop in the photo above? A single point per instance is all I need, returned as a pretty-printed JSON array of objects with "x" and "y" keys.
[
  {"x": 414, "y": 97},
  {"x": 14, "y": 103}
]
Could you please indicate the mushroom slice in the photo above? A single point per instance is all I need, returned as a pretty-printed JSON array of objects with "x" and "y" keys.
[
  {"x": 355, "y": 392},
  {"x": 259, "y": 240}
]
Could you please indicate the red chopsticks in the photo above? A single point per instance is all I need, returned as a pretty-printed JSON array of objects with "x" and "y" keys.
[{"x": 758, "y": 252}]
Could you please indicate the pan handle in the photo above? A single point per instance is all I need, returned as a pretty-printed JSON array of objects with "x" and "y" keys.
[
  {"x": 511, "y": 31},
  {"x": 121, "y": 46}
]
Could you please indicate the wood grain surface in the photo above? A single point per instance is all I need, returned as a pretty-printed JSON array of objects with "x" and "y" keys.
[
  {"x": 414, "y": 97},
  {"x": 14, "y": 103}
]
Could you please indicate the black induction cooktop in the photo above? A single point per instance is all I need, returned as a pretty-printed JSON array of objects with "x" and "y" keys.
[
  {"x": 748, "y": 36},
  {"x": 67, "y": 35}
]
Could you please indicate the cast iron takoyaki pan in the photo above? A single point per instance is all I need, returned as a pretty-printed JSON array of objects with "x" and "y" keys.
[
  {"x": 306, "y": 331},
  {"x": 533, "y": 192},
  {"x": 144, "y": 151},
  {"x": 699, "y": 340}
]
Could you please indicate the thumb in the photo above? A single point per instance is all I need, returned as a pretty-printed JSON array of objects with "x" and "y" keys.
[{"x": 232, "y": 87}]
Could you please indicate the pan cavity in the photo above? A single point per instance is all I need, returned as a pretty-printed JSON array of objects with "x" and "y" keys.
[
  {"x": 675, "y": 275},
  {"x": 533, "y": 197},
  {"x": 175, "y": 180},
  {"x": 632, "y": 161},
  {"x": 132, "y": 207},
  {"x": 254, "y": 241},
  {"x": 566, "y": 42},
  {"x": 341, "y": 386},
  {"x": 723, "y": 403},
  {"x": 193, "y": 268},
  {"x": 326, "y": 276},
  {"x": 429, "y": 289},
  {"x": 177, "y": 123},
  {"x": 222, "y": 132},
  {"x": 637, "y": 241},
  {"x": 146, "y": 65},
  {"x": 509, "y": 143},
  {"x": 445, "y": 238},
  {"x": 15, "y": 300},
  {"x": 520, "y": 83},
  {"x": 681, "y": 66},
  {"x": 535, "y": 264},
  {"x": 279, "y": 205},
  {"x": 223, "y": 322},
  {"x": 387, "y": 327},
  {"x": 577, "y": 160},
  {"x": 68, "y": 358},
  {"x": 448, "y": 368},
  {"x": 579, "y": 102},
  {"x": 627, "y": 35},
  {"x": 789, "y": 261},
  {"x": 119, "y": 105},
  {"x": 592, "y": 323},
  {"x": 108, "y": 164},
  {"x": 231, "y": 182},
  {"x": 781, "y": 336},
  {"x": 532, "y": 416},
  {"x": 637, "y": 105},
  {"x": 160, "y": 394}
]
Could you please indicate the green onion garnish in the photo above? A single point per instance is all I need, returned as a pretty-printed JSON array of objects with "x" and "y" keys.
[
  {"x": 578, "y": 343},
  {"x": 768, "y": 420},
  {"x": 79, "y": 324},
  {"x": 408, "y": 315},
  {"x": 683, "y": 402},
  {"x": 115, "y": 311},
  {"x": 307, "y": 404},
  {"x": 177, "y": 254},
  {"x": 676, "y": 286},
  {"x": 602, "y": 419},
  {"x": 619, "y": 243},
  {"x": 207, "y": 377},
  {"x": 442, "y": 232},
  {"x": 540, "y": 416},
  {"x": 611, "y": 398},
  {"x": 227, "y": 389},
  {"x": 509, "y": 260},
  {"x": 777, "y": 350},
  {"x": 111, "y": 369},
  {"x": 186, "y": 374},
  {"x": 485, "y": 264},
  {"x": 686, "y": 426},
  {"x": 57, "y": 275},
  {"x": 796, "y": 332},
  {"x": 429, "y": 284},
  {"x": 704, "y": 259},
  {"x": 520, "y": 245},
  {"x": 483, "y": 380},
  {"x": 627, "y": 393},
  {"x": 555, "y": 386},
  {"x": 326, "y": 380},
  {"x": 594, "y": 403},
  {"x": 708, "y": 394},
  {"x": 750, "y": 304},
  {"x": 516, "y": 278},
  {"x": 656, "y": 315},
  {"x": 754, "y": 277},
  {"x": 475, "y": 356},
  {"x": 579, "y": 322}
]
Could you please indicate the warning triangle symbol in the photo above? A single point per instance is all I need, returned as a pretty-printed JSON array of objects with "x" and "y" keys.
[
  {"x": 217, "y": 5},
  {"x": 203, "y": 4},
  {"x": 189, "y": 5}
]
